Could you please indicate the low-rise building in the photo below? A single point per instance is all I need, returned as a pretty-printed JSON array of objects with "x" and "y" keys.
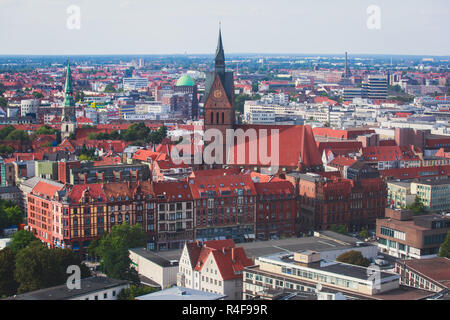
[
  {"x": 213, "y": 266},
  {"x": 93, "y": 288},
  {"x": 181, "y": 293},
  {"x": 426, "y": 274},
  {"x": 303, "y": 271},
  {"x": 159, "y": 270}
]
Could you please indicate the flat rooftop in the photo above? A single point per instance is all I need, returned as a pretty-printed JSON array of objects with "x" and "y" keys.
[
  {"x": 88, "y": 286},
  {"x": 335, "y": 267},
  {"x": 163, "y": 259},
  {"x": 181, "y": 293},
  {"x": 327, "y": 241},
  {"x": 401, "y": 293}
]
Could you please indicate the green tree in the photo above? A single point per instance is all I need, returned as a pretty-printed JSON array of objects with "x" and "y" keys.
[
  {"x": 112, "y": 249},
  {"x": 8, "y": 285},
  {"x": 444, "y": 251},
  {"x": 38, "y": 95},
  {"x": 45, "y": 129},
  {"x": 39, "y": 267},
  {"x": 110, "y": 88},
  {"x": 364, "y": 234},
  {"x": 135, "y": 291},
  {"x": 353, "y": 257},
  {"x": 6, "y": 149},
  {"x": 255, "y": 86},
  {"x": 417, "y": 207},
  {"x": 36, "y": 268},
  {"x": 3, "y": 102},
  {"x": 10, "y": 214},
  {"x": 21, "y": 239},
  {"x": 342, "y": 229},
  {"x": 5, "y": 131},
  {"x": 17, "y": 135}
]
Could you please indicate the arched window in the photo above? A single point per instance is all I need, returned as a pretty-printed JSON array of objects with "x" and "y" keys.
[
  {"x": 217, "y": 118},
  {"x": 212, "y": 117},
  {"x": 223, "y": 118}
]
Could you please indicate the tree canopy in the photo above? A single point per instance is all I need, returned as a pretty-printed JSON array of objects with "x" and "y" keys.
[
  {"x": 353, "y": 257},
  {"x": 137, "y": 132},
  {"x": 417, "y": 207},
  {"x": 45, "y": 129},
  {"x": 8, "y": 285},
  {"x": 444, "y": 251},
  {"x": 364, "y": 234},
  {"x": 342, "y": 229},
  {"x": 112, "y": 249},
  {"x": 38, "y": 267},
  {"x": 10, "y": 214},
  {"x": 21, "y": 239},
  {"x": 135, "y": 291}
]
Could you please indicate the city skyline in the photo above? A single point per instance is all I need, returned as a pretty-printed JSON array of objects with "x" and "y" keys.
[{"x": 139, "y": 28}]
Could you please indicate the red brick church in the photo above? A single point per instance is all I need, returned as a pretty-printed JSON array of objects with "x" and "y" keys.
[{"x": 296, "y": 149}]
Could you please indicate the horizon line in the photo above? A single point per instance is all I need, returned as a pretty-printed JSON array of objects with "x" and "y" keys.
[{"x": 231, "y": 53}]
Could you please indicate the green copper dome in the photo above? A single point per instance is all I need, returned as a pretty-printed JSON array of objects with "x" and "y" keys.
[{"x": 185, "y": 81}]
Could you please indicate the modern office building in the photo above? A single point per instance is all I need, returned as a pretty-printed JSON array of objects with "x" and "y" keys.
[
  {"x": 134, "y": 83},
  {"x": 403, "y": 235},
  {"x": 376, "y": 87},
  {"x": 29, "y": 106},
  {"x": 434, "y": 194},
  {"x": 305, "y": 270}
]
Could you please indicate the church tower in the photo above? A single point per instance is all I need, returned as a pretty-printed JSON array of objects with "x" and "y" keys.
[
  {"x": 219, "y": 110},
  {"x": 68, "y": 121}
]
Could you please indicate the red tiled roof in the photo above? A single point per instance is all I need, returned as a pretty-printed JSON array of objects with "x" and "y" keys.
[
  {"x": 388, "y": 153},
  {"x": 342, "y": 161},
  {"x": 277, "y": 187},
  {"x": 94, "y": 190},
  {"x": 47, "y": 189},
  {"x": 420, "y": 172},
  {"x": 214, "y": 172},
  {"x": 221, "y": 184},
  {"x": 230, "y": 260},
  {"x": 296, "y": 145},
  {"x": 173, "y": 190}
]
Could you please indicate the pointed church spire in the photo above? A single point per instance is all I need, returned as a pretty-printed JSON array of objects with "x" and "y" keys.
[
  {"x": 220, "y": 55},
  {"x": 68, "y": 103},
  {"x": 68, "y": 87},
  {"x": 68, "y": 91}
]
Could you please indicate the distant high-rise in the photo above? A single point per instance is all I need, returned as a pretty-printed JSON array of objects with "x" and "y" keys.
[{"x": 376, "y": 87}]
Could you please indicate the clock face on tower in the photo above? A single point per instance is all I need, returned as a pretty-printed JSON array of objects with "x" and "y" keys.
[{"x": 217, "y": 94}]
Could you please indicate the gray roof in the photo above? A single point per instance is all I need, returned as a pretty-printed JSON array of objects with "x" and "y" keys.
[
  {"x": 32, "y": 182},
  {"x": 88, "y": 286},
  {"x": 327, "y": 241},
  {"x": 160, "y": 258},
  {"x": 9, "y": 189},
  {"x": 181, "y": 293}
]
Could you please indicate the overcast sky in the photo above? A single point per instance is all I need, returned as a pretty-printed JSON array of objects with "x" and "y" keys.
[{"x": 248, "y": 26}]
